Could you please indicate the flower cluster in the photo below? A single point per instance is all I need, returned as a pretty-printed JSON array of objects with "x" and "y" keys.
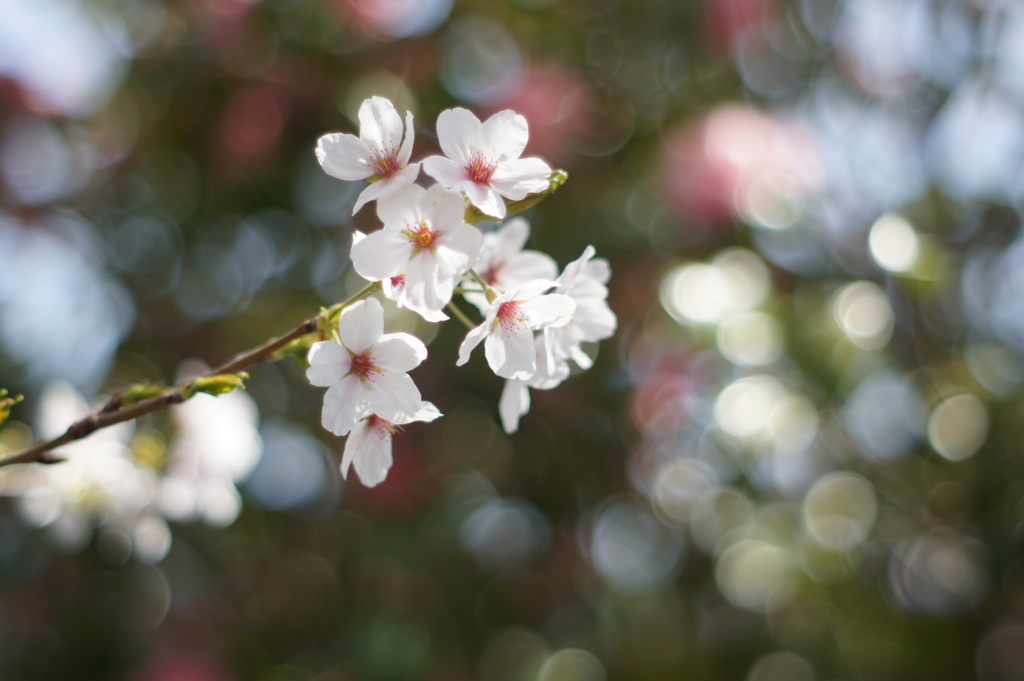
[{"x": 535, "y": 320}]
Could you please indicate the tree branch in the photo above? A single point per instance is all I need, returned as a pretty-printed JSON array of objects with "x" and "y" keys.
[{"x": 113, "y": 412}]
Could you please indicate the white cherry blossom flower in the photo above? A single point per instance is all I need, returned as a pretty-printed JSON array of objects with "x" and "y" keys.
[
  {"x": 369, "y": 445},
  {"x": 393, "y": 289},
  {"x": 378, "y": 151},
  {"x": 423, "y": 238},
  {"x": 508, "y": 327},
  {"x": 504, "y": 263},
  {"x": 483, "y": 159},
  {"x": 583, "y": 280},
  {"x": 367, "y": 371}
]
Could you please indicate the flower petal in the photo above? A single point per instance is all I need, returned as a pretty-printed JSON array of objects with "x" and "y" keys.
[
  {"x": 503, "y": 136},
  {"x": 514, "y": 402},
  {"x": 394, "y": 396},
  {"x": 343, "y": 156},
  {"x": 548, "y": 310},
  {"x": 484, "y": 198},
  {"x": 473, "y": 339},
  {"x": 381, "y": 255},
  {"x": 458, "y": 133},
  {"x": 405, "y": 153},
  {"x": 447, "y": 172},
  {"x": 328, "y": 364},
  {"x": 399, "y": 352},
  {"x": 386, "y": 187},
  {"x": 369, "y": 449},
  {"x": 361, "y": 324},
  {"x": 510, "y": 352},
  {"x": 517, "y": 178},
  {"x": 379, "y": 124},
  {"x": 402, "y": 208},
  {"x": 343, "y": 403}
]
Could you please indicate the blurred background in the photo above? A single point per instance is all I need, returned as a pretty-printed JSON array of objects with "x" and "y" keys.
[{"x": 799, "y": 459}]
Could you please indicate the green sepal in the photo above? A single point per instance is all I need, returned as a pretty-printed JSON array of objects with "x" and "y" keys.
[
  {"x": 139, "y": 392},
  {"x": 6, "y": 403},
  {"x": 557, "y": 179},
  {"x": 218, "y": 384},
  {"x": 297, "y": 349}
]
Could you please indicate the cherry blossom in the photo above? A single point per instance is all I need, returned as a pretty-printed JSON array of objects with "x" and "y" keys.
[
  {"x": 508, "y": 327},
  {"x": 369, "y": 444},
  {"x": 367, "y": 370},
  {"x": 483, "y": 159},
  {"x": 424, "y": 239},
  {"x": 379, "y": 151},
  {"x": 584, "y": 281}
]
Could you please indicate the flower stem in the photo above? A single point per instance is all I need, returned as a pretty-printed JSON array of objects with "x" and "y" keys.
[{"x": 460, "y": 315}]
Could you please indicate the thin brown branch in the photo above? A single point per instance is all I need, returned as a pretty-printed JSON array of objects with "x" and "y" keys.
[{"x": 113, "y": 412}]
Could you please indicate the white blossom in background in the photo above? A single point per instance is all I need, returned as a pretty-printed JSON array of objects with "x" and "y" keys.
[
  {"x": 584, "y": 281},
  {"x": 368, "y": 446},
  {"x": 379, "y": 150},
  {"x": 424, "y": 239},
  {"x": 508, "y": 326},
  {"x": 366, "y": 371},
  {"x": 482, "y": 159},
  {"x": 505, "y": 264},
  {"x": 216, "y": 445},
  {"x": 100, "y": 484}
]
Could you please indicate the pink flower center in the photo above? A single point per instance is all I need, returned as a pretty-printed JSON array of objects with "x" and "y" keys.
[
  {"x": 398, "y": 281},
  {"x": 481, "y": 169},
  {"x": 511, "y": 316},
  {"x": 363, "y": 366},
  {"x": 382, "y": 428},
  {"x": 422, "y": 236},
  {"x": 385, "y": 162}
]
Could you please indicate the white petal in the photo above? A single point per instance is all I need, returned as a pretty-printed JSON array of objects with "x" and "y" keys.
[
  {"x": 510, "y": 352},
  {"x": 444, "y": 208},
  {"x": 423, "y": 283},
  {"x": 503, "y": 136},
  {"x": 458, "y": 133},
  {"x": 486, "y": 199},
  {"x": 401, "y": 208},
  {"x": 328, "y": 363},
  {"x": 399, "y": 352},
  {"x": 369, "y": 450},
  {"x": 361, "y": 324},
  {"x": 512, "y": 236},
  {"x": 394, "y": 396},
  {"x": 426, "y": 413},
  {"x": 386, "y": 187},
  {"x": 381, "y": 255},
  {"x": 515, "y": 179},
  {"x": 549, "y": 310},
  {"x": 343, "y": 403},
  {"x": 379, "y": 124},
  {"x": 473, "y": 339},
  {"x": 410, "y": 134},
  {"x": 526, "y": 266},
  {"x": 343, "y": 156},
  {"x": 448, "y": 173},
  {"x": 514, "y": 402},
  {"x": 462, "y": 247}
]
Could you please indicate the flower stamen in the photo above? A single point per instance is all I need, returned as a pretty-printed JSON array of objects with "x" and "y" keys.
[
  {"x": 481, "y": 169},
  {"x": 363, "y": 367},
  {"x": 421, "y": 236},
  {"x": 511, "y": 316}
]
